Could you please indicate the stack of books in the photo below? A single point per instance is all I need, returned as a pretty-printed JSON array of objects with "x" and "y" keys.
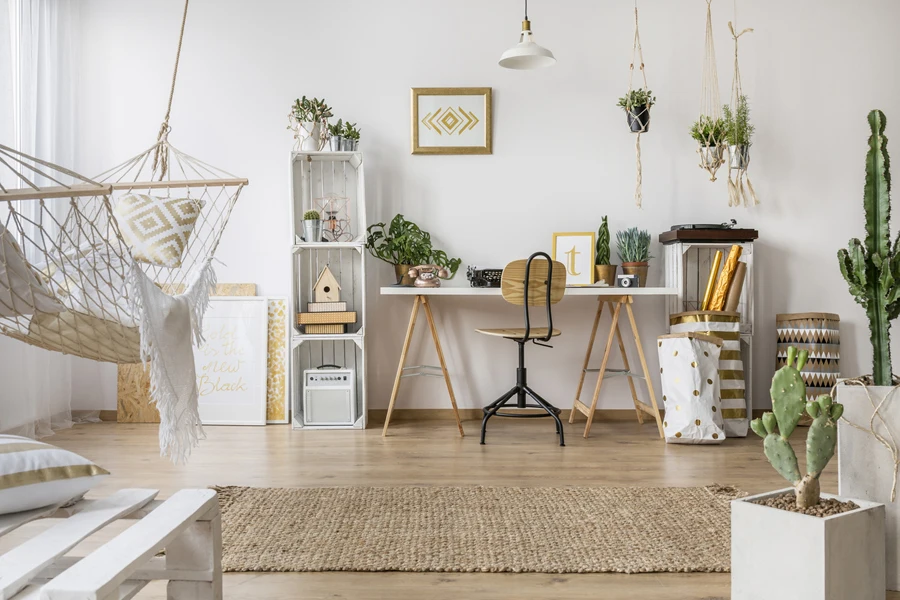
[{"x": 326, "y": 318}]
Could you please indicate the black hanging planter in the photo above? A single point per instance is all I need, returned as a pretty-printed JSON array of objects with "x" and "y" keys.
[{"x": 638, "y": 118}]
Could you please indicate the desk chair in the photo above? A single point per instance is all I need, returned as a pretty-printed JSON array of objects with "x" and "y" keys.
[{"x": 528, "y": 283}]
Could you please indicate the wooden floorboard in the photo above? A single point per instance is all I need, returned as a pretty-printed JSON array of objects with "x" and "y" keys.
[{"x": 518, "y": 453}]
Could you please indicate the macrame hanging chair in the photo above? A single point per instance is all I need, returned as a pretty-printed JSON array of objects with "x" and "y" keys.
[
  {"x": 710, "y": 126},
  {"x": 638, "y": 120},
  {"x": 740, "y": 189},
  {"x": 65, "y": 265}
]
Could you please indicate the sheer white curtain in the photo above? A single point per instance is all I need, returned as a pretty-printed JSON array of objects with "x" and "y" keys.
[{"x": 38, "y": 43}]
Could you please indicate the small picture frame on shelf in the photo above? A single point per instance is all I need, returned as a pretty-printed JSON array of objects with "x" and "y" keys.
[
  {"x": 451, "y": 120},
  {"x": 576, "y": 251}
]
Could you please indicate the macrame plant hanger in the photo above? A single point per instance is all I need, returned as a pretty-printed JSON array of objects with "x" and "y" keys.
[
  {"x": 711, "y": 146},
  {"x": 738, "y": 155},
  {"x": 642, "y": 121}
]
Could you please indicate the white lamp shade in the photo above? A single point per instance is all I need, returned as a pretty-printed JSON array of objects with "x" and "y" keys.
[{"x": 527, "y": 55}]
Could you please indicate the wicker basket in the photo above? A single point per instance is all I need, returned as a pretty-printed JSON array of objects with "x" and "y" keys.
[{"x": 820, "y": 335}]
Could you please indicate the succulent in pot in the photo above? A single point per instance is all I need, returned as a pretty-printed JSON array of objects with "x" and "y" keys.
[
  {"x": 739, "y": 133},
  {"x": 312, "y": 226},
  {"x": 711, "y": 133},
  {"x": 351, "y": 137},
  {"x": 636, "y": 104},
  {"x": 405, "y": 245},
  {"x": 603, "y": 270},
  {"x": 308, "y": 119},
  {"x": 336, "y": 136},
  {"x": 633, "y": 247}
]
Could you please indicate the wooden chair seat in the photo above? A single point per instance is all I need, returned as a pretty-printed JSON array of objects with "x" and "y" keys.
[{"x": 518, "y": 332}]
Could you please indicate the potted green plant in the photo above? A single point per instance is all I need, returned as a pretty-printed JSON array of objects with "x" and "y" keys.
[
  {"x": 711, "y": 133},
  {"x": 405, "y": 245},
  {"x": 307, "y": 119},
  {"x": 351, "y": 137},
  {"x": 312, "y": 226},
  {"x": 336, "y": 134},
  {"x": 636, "y": 104},
  {"x": 739, "y": 133},
  {"x": 634, "y": 251},
  {"x": 604, "y": 271}
]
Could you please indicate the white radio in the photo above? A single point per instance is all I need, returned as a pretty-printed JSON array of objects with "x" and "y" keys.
[{"x": 329, "y": 396}]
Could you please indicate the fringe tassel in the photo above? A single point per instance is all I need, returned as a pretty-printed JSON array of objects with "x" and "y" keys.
[
  {"x": 732, "y": 192},
  {"x": 752, "y": 192}
]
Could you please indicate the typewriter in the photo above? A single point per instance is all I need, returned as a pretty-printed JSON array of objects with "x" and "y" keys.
[{"x": 483, "y": 278}]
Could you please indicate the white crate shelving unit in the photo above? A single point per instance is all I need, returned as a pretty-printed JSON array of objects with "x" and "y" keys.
[
  {"x": 314, "y": 176},
  {"x": 687, "y": 266}
]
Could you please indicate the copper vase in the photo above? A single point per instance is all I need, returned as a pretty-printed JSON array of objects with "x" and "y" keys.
[
  {"x": 637, "y": 268},
  {"x": 403, "y": 277},
  {"x": 605, "y": 273}
]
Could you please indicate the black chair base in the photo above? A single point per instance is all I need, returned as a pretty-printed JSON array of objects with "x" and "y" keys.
[{"x": 519, "y": 392}]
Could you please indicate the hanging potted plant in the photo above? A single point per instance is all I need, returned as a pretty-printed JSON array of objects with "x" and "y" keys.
[
  {"x": 351, "y": 137},
  {"x": 312, "y": 226},
  {"x": 711, "y": 134},
  {"x": 867, "y": 461},
  {"x": 739, "y": 133},
  {"x": 634, "y": 252},
  {"x": 604, "y": 271},
  {"x": 335, "y": 133},
  {"x": 636, "y": 104},
  {"x": 308, "y": 119},
  {"x": 770, "y": 532},
  {"x": 405, "y": 245}
]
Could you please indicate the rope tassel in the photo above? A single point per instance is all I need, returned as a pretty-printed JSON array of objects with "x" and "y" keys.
[{"x": 638, "y": 195}]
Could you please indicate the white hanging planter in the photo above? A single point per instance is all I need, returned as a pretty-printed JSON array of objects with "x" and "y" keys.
[
  {"x": 781, "y": 555},
  {"x": 865, "y": 465}
]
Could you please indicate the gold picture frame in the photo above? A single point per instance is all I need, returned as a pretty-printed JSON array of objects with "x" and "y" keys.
[
  {"x": 442, "y": 115},
  {"x": 579, "y": 271}
]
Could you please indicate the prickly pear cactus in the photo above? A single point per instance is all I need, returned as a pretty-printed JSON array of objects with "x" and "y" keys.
[
  {"x": 788, "y": 396},
  {"x": 602, "y": 255}
]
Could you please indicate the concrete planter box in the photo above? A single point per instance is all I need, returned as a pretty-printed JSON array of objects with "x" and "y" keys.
[
  {"x": 865, "y": 466},
  {"x": 781, "y": 555}
]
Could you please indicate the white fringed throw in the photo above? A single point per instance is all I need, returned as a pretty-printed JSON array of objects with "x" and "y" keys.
[{"x": 169, "y": 326}]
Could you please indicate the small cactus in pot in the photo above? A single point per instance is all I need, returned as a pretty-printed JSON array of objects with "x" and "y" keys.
[
  {"x": 312, "y": 226},
  {"x": 788, "y": 403}
]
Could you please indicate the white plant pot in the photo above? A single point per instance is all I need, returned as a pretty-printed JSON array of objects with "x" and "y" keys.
[
  {"x": 311, "y": 142},
  {"x": 865, "y": 466},
  {"x": 781, "y": 555}
]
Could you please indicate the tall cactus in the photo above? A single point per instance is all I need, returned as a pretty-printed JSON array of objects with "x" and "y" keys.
[
  {"x": 873, "y": 270},
  {"x": 788, "y": 401},
  {"x": 602, "y": 254}
]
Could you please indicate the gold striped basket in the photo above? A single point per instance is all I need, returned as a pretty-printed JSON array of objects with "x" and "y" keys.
[
  {"x": 820, "y": 335},
  {"x": 726, "y": 326}
]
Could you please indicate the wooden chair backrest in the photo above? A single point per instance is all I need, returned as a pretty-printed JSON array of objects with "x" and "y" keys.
[{"x": 512, "y": 282}]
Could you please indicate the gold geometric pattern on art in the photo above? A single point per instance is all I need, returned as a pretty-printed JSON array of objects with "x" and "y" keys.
[
  {"x": 452, "y": 121},
  {"x": 276, "y": 377}
]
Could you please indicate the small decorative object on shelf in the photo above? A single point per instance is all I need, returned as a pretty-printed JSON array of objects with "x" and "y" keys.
[
  {"x": 480, "y": 278},
  {"x": 327, "y": 315},
  {"x": 336, "y": 136},
  {"x": 576, "y": 251},
  {"x": 634, "y": 251},
  {"x": 637, "y": 103},
  {"x": 709, "y": 129},
  {"x": 309, "y": 119},
  {"x": 312, "y": 226},
  {"x": 825, "y": 530},
  {"x": 605, "y": 272},
  {"x": 429, "y": 276},
  {"x": 336, "y": 217},
  {"x": 350, "y": 137},
  {"x": 405, "y": 245},
  {"x": 628, "y": 281}
]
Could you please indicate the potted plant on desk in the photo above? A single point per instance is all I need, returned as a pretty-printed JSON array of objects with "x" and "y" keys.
[
  {"x": 634, "y": 252},
  {"x": 604, "y": 271},
  {"x": 405, "y": 245}
]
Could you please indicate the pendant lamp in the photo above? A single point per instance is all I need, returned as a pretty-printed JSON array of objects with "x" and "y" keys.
[{"x": 527, "y": 55}]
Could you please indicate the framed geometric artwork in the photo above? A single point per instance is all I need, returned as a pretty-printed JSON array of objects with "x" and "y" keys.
[
  {"x": 451, "y": 120},
  {"x": 576, "y": 251}
]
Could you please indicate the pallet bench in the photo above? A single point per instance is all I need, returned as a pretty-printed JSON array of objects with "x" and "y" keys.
[{"x": 187, "y": 526}]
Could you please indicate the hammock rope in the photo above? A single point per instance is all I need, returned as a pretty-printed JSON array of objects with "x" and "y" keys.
[
  {"x": 738, "y": 161},
  {"x": 160, "y": 157},
  {"x": 638, "y": 52},
  {"x": 711, "y": 148}
]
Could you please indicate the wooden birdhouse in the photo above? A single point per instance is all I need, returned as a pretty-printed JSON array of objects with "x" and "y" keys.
[{"x": 327, "y": 288}]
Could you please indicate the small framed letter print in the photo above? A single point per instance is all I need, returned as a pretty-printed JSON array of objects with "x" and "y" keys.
[
  {"x": 576, "y": 251},
  {"x": 451, "y": 120}
]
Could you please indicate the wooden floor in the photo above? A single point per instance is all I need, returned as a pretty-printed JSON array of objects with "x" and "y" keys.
[{"x": 519, "y": 453}]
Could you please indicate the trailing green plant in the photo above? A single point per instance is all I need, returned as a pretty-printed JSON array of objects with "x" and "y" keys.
[
  {"x": 337, "y": 128},
  {"x": 601, "y": 257},
  {"x": 872, "y": 270},
  {"x": 633, "y": 245},
  {"x": 311, "y": 215},
  {"x": 709, "y": 131},
  {"x": 788, "y": 401},
  {"x": 403, "y": 242},
  {"x": 739, "y": 129},
  {"x": 350, "y": 131},
  {"x": 306, "y": 110},
  {"x": 634, "y": 98}
]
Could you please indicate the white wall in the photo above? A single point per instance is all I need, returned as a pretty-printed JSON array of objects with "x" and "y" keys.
[{"x": 562, "y": 158}]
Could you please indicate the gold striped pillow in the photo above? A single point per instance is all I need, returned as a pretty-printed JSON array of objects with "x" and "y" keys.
[
  {"x": 34, "y": 474},
  {"x": 157, "y": 229}
]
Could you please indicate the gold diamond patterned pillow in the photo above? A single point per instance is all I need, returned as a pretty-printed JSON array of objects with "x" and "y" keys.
[{"x": 157, "y": 229}]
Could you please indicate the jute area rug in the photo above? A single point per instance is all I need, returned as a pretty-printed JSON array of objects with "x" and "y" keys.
[{"x": 477, "y": 529}]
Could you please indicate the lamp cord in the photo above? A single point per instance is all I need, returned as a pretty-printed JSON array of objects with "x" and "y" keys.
[{"x": 526, "y": 10}]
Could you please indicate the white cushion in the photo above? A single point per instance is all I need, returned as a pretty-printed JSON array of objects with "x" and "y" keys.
[
  {"x": 21, "y": 293},
  {"x": 157, "y": 229},
  {"x": 34, "y": 474}
]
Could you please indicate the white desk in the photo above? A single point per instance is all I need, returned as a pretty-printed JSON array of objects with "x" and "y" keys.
[{"x": 614, "y": 297}]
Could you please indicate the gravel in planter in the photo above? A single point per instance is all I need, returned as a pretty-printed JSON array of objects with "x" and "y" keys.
[{"x": 826, "y": 507}]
